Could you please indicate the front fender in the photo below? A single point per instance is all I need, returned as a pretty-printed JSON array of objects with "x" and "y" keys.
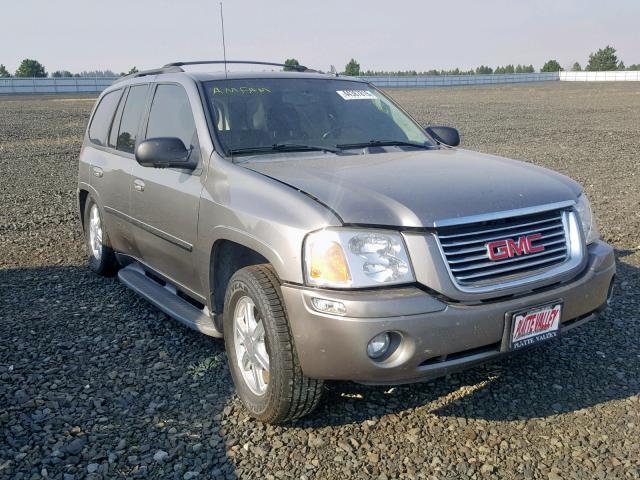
[{"x": 258, "y": 212}]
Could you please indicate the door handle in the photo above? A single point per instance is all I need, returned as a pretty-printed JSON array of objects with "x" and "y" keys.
[
  {"x": 97, "y": 172},
  {"x": 138, "y": 185}
]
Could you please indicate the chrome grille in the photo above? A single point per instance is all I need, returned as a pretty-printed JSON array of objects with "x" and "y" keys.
[{"x": 465, "y": 247}]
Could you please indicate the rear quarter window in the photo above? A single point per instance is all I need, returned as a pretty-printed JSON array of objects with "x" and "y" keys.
[{"x": 99, "y": 128}]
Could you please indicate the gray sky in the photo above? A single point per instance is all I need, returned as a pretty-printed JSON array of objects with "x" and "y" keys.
[{"x": 81, "y": 35}]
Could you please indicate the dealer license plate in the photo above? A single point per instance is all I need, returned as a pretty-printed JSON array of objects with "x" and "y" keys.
[{"x": 535, "y": 325}]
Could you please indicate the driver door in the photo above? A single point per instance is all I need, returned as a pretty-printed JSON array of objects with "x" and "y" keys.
[{"x": 165, "y": 201}]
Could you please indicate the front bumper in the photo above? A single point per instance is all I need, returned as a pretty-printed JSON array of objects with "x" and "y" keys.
[{"x": 437, "y": 338}]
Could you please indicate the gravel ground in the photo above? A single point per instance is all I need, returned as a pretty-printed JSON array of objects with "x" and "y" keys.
[{"x": 95, "y": 383}]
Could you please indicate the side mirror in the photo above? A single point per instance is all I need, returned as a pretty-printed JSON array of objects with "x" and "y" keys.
[
  {"x": 164, "y": 152},
  {"x": 445, "y": 135}
]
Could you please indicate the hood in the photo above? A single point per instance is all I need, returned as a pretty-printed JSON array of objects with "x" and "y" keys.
[{"x": 418, "y": 188}]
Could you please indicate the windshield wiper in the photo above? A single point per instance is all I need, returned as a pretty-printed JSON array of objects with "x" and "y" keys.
[
  {"x": 382, "y": 143},
  {"x": 284, "y": 147}
]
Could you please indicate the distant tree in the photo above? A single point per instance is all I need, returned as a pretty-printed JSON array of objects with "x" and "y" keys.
[
  {"x": 4, "y": 73},
  {"x": 97, "y": 73},
  {"x": 551, "y": 66},
  {"x": 524, "y": 69},
  {"x": 456, "y": 71},
  {"x": 352, "y": 68},
  {"x": 634, "y": 66},
  {"x": 290, "y": 62},
  {"x": 62, "y": 74},
  {"x": 31, "y": 68},
  {"x": 413, "y": 73},
  {"x": 604, "y": 60},
  {"x": 505, "y": 69},
  {"x": 576, "y": 67},
  {"x": 484, "y": 70}
]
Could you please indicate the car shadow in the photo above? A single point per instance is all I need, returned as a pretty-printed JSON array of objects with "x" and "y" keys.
[
  {"x": 593, "y": 364},
  {"x": 100, "y": 364},
  {"x": 94, "y": 375}
]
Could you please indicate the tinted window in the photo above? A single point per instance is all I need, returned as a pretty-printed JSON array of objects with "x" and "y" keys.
[
  {"x": 101, "y": 122},
  {"x": 171, "y": 115},
  {"x": 328, "y": 113},
  {"x": 113, "y": 133},
  {"x": 131, "y": 115}
]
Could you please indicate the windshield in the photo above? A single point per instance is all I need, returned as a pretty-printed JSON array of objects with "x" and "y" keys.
[{"x": 293, "y": 114}]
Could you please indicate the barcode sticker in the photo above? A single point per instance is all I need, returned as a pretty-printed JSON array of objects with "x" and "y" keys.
[{"x": 356, "y": 94}]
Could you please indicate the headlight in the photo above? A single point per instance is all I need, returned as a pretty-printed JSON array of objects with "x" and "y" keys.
[
  {"x": 589, "y": 227},
  {"x": 353, "y": 258}
]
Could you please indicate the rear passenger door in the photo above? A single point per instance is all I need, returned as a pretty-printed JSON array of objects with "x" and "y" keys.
[
  {"x": 165, "y": 202},
  {"x": 114, "y": 135}
]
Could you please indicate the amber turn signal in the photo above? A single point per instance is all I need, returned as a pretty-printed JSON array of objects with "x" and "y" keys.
[{"x": 328, "y": 263}]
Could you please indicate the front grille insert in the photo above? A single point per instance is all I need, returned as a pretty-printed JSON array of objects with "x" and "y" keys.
[{"x": 465, "y": 247}]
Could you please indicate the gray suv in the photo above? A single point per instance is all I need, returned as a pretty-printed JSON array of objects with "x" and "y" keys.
[{"x": 318, "y": 228}]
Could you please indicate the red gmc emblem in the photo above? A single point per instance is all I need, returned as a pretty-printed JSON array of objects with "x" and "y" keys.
[{"x": 501, "y": 249}]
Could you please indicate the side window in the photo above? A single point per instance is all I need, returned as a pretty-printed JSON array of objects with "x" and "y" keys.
[
  {"x": 131, "y": 116},
  {"x": 113, "y": 133},
  {"x": 103, "y": 117},
  {"x": 171, "y": 116}
]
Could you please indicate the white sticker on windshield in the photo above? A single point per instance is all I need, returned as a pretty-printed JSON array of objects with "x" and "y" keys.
[{"x": 356, "y": 94}]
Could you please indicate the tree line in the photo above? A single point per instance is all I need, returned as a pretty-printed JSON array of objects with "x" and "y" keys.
[
  {"x": 605, "y": 59},
  {"x": 30, "y": 68}
]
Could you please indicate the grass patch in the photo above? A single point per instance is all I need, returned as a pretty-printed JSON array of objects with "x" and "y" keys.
[{"x": 200, "y": 369}]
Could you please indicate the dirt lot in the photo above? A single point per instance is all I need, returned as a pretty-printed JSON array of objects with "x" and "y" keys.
[{"x": 96, "y": 383}]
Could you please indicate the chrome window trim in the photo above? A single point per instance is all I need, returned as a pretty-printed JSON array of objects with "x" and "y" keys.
[{"x": 575, "y": 243}]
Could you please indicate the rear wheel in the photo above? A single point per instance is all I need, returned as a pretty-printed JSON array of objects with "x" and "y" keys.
[
  {"x": 102, "y": 259},
  {"x": 260, "y": 349}
]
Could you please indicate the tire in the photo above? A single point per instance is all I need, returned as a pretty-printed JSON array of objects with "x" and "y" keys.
[
  {"x": 102, "y": 259},
  {"x": 286, "y": 393}
]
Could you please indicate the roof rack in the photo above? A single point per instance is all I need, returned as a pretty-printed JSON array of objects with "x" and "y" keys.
[
  {"x": 297, "y": 68},
  {"x": 153, "y": 71},
  {"x": 175, "y": 67}
]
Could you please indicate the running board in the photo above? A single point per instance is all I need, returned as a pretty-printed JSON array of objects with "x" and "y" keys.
[{"x": 166, "y": 299}]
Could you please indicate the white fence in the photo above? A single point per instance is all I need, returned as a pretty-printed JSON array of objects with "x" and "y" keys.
[
  {"x": 451, "y": 80},
  {"x": 620, "y": 76},
  {"x": 18, "y": 86},
  {"x": 412, "y": 81}
]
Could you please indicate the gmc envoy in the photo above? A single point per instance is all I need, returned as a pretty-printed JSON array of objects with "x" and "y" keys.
[{"x": 308, "y": 220}]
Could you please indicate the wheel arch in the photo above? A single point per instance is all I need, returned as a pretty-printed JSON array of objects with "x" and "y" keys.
[
  {"x": 227, "y": 257},
  {"x": 83, "y": 194}
]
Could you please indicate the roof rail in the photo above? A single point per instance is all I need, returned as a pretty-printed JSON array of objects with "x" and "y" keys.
[
  {"x": 297, "y": 68},
  {"x": 153, "y": 71},
  {"x": 175, "y": 67}
]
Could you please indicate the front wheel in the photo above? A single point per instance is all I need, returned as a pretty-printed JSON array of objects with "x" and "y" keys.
[{"x": 260, "y": 349}]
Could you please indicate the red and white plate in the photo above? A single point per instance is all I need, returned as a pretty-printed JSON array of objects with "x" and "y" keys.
[{"x": 536, "y": 325}]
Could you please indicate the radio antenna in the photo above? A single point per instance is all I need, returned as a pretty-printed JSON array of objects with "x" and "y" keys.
[{"x": 224, "y": 46}]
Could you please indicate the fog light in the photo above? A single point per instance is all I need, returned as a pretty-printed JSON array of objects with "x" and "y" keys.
[
  {"x": 378, "y": 345},
  {"x": 329, "y": 306}
]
